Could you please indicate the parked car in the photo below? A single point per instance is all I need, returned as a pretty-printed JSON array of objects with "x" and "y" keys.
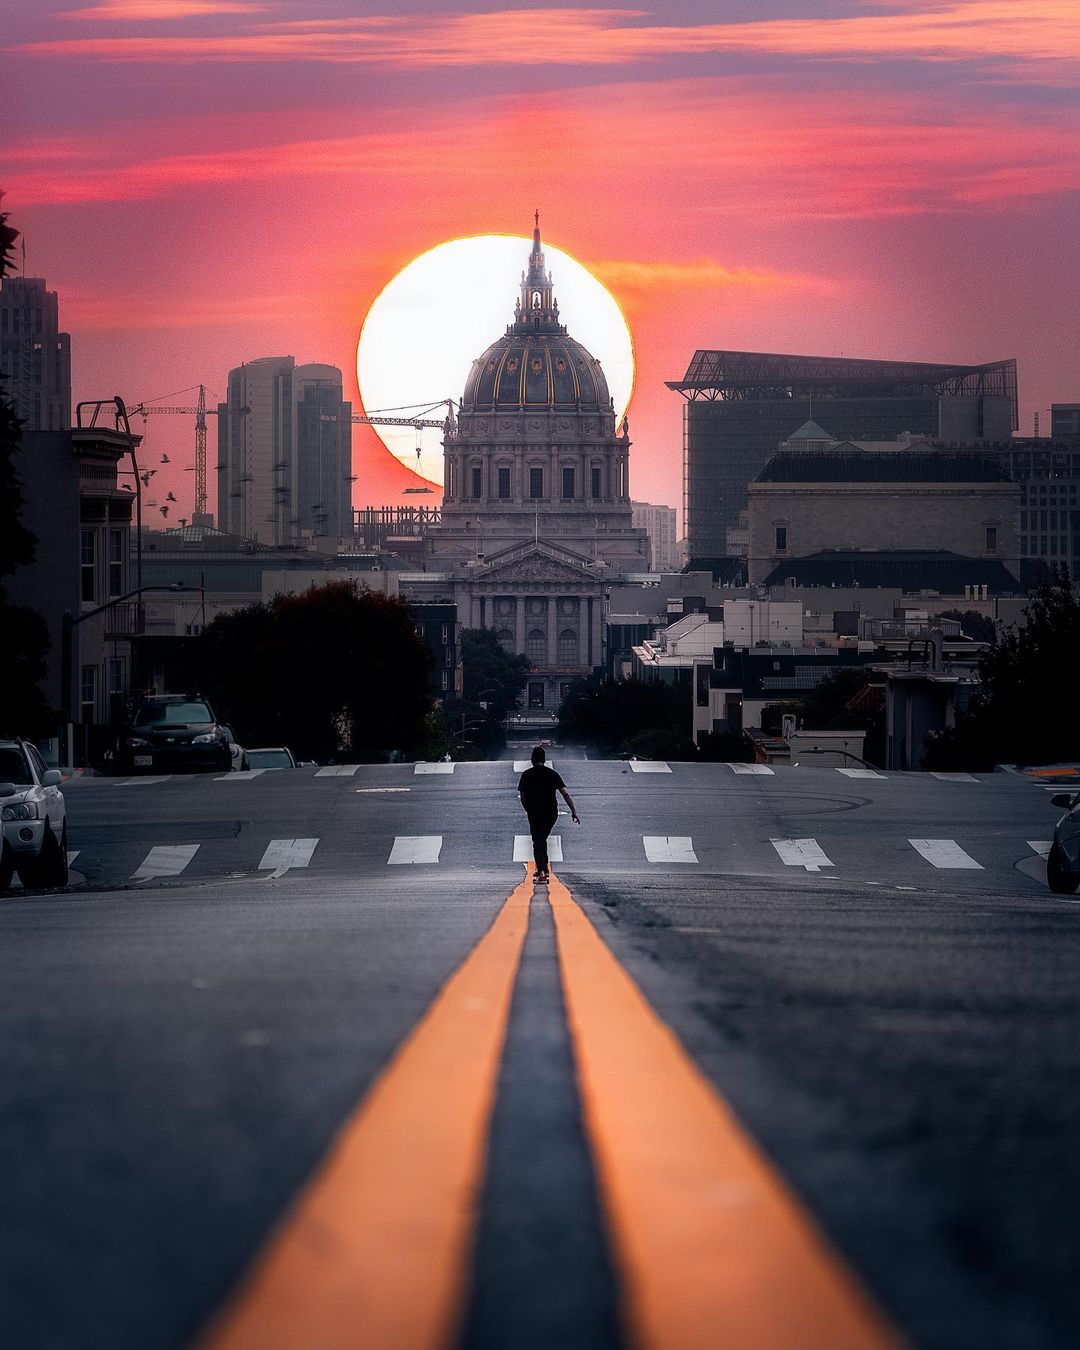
[
  {"x": 269, "y": 757},
  {"x": 1063, "y": 860},
  {"x": 33, "y": 818},
  {"x": 173, "y": 731}
]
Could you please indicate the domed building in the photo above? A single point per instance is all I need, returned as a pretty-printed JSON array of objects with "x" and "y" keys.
[{"x": 536, "y": 515}]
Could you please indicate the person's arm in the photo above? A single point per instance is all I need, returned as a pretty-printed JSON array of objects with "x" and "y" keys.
[{"x": 570, "y": 804}]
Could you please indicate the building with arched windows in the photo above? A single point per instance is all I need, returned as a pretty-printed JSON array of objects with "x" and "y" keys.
[{"x": 536, "y": 516}]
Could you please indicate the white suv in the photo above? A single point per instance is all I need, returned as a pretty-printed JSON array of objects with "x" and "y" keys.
[{"x": 33, "y": 818}]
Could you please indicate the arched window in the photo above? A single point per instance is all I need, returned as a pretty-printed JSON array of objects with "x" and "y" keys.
[
  {"x": 536, "y": 646},
  {"x": 568, "y": 648},
  {"x": 506, "y": 639}
]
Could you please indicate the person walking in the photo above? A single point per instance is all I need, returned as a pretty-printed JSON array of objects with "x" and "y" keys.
[{"x": 536, "y": 792}]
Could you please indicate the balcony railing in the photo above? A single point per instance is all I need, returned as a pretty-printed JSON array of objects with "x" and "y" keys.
[{"x": 126, "y": 620}]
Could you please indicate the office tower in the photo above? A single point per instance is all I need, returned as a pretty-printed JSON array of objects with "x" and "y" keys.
[
  {"x": 741, "y": 405},
  {"x": 35, "y": 357},
  {"x": 285, "y": 453},
  {"x": 658, "y": 522}
]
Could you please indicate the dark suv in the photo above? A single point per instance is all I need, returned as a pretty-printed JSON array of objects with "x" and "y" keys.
[{"x": 173, "y": 731}]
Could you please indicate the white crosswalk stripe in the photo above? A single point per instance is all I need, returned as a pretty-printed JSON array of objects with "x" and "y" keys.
[
  {"x": 649, "y": 766},
  {"x": 669, "y": 848},
  {"x": 337, "y": 771},
  {"x": 73, "y": 853},
  {"x": 945, "y": 853},
  {"x": 520, "y": 765},
  {"x": 416, "y": 848},
  {"x": 860, "y": 773},
  {"x": 438, "y": 767},
  {"x": 1041, "y": 846},
  {"x": 240, "y": 776},
  {"x": 954, "y": 777},
  {"x": 165, "y": 860},
  {"x": 759, "y": 770},
  {"x": 523, "y": 849},
  {"x": 281, "y": 854},
  {"x": 145, "y": 781},
  {"x": 806, "y": 853}
]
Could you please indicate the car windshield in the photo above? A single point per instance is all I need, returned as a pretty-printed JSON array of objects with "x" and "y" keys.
[
  {"x": 270, "y": 759},
  {"x": 14, "y": 766},
  {"x": 172, "y": 714}
]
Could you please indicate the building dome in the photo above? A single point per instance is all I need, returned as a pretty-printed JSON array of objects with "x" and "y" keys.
[{"x": 535, "y": 365}]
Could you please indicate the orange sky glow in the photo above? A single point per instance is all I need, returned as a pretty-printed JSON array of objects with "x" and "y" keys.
[{"x": 210, "y": 182}]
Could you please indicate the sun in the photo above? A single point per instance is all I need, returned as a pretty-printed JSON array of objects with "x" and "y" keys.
[{"x": 428, "y": 325}]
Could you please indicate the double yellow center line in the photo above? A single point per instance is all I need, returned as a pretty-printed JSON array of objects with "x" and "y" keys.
[{"x": 712, "y": 1248}]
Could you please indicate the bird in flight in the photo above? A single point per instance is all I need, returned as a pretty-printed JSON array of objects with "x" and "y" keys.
[{"x": 164, "y": 459}]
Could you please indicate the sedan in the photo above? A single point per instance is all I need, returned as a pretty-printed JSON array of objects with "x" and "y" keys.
[
  {"x": 174, "y": 731},
  {"x": 33, "y": 818},
  {"x": 275, "y": 757},
  {"x": 1063, "y": 860}
]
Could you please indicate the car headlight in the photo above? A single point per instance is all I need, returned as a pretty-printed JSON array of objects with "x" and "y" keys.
[
  {"x": 136, "y": 740},
  {"x": 21, "y": 811},
  {"x": 207, "y": 738}
]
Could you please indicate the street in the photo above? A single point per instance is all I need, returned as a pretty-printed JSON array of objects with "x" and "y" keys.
[{"x": 873, "y": 997}]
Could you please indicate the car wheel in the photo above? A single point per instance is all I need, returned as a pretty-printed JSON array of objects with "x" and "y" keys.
[
  {"x": 1060, "y": 881},
  {"x": 50, "y": 867},
  {"x": 7, "y": 869}
]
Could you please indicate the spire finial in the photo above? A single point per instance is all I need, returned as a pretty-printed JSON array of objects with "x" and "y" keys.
[{"x": 536, "y": 217}]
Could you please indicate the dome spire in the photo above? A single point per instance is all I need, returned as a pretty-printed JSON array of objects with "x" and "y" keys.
[{"x": 537, "y": 308}]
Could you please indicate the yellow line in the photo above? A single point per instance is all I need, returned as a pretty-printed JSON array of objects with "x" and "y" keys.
[
  {"x": 373, "y": 1254},
  {"x": 713, "y": 1248}
]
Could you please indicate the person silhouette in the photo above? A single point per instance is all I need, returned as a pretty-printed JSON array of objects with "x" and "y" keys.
[{"x": 537, "y": 787}]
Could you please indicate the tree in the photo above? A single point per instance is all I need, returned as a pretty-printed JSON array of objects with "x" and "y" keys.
[
  {"x": 492, "y": 675},
  {"x": 336, "y": 670},
  {"x": 1024, "y": 710},
  {"x": 838, "y": 703},
  {"x": 978, "y": 627},
  {"x": 24, "y": 636},
  {"x": 638, "y": 717}
]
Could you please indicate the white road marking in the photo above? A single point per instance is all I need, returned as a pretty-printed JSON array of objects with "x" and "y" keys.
[
  {"x": 382, "y": 789},
  {"x": 760, "y": 770},
  {"x": 523, "y": 849},
  {"x": 281, "y": 854},
  {"x": 669, "y": 848},
  {"x": 801, "y": 853},
  {"x": 240, "y": 776},
  {"x": 520, "y": 765},
  {"x": 649, "y": 766},
  {"x": 438, "y": 767},
  {"x": 945, "y": 853},
  {"x": 73, "y": 853},
  {"x": 860, "y": 773},
  {"x": 954, "y": 777},
  {"x": 416, "y": 848},
  {"x": 1041, "y": 846},
  {"x": 165, "y": 860},
  {"x": 337, "y": 771},
  {"x": 144, "y": 781}
]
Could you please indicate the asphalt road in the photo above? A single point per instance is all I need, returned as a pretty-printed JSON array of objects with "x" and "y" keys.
[{"x": 186, "y": 1030}]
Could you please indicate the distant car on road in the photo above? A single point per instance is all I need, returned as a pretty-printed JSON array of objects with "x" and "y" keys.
[
  {"x": 270, "y": 757},
  {"x": 33, "y": 818},
  {"x": 174, "y": 731},
  {"x": 1063, "y": 860}
]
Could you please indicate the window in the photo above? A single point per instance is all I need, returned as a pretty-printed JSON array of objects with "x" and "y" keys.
[
  {"x": 536, "y": 483},
  {"x": 116, "y": 563},
  {"x": 445, "y": 634},
  {"x": 991, "y": 538},
  {"x": 477, "y": 481},
  {"x": 568, "y": 648},
  {"x": 536, "y": 646},
  {"x": 567, "y": 483},
  {"x": 87, "y": 693},
  {"x": 597, "y": 480},
  {"x": 781, "y": 538},
  {"x": 450, "y": 656},
  {"x": 116, "y": 675},
  {"x": 88, "y": 565},
  {"x": 536, "y": 693},
  {"x": 506, "y": 639},
  {"x": 504, "y": 482}
]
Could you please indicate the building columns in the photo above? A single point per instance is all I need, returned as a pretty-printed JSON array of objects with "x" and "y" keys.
[
  {"x": 552, "y": 633},
  {"x": 519, "y": 628}
]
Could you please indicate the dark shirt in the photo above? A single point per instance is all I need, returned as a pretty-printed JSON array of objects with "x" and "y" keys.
[{"x": 537, "y": 787}]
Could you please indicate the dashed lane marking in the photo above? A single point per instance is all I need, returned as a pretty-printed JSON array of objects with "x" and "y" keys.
[
  {"x": 240, "y": 776},
  {"x": 523, "y": 849},
  {"x": 806, "y": 853},
  {"x": 416, "y": 848},
  {"x": 1041, "y": 846},
  {"x": 711, "y": 1244},
  {"x": 165, "y": 860},
  {"x": 669, "y": 848},
  {"x": 437, "y": 767},
  {"x": 649, "y": 766},
  {"x": 759, "y": 770},
  {"x": 945, "y": 853},
  {"x": 282, "y": 854},
  {"x": 954, "y": 777},
  {"x": 860, "y": 773},
  {"x": 337, "y": 771},
  {"x": 73, "y": 853},
  {"x": 147, "y": 781},
  {"x": 374, "y": 1253}
]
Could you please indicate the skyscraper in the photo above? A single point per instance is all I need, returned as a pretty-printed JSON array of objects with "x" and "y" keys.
[
  {"x": 35, "y": 357},
  {"x": 285, "y": 452}
]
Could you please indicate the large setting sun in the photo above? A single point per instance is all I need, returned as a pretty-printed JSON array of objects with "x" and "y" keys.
[{"x": 440, "y": 312}]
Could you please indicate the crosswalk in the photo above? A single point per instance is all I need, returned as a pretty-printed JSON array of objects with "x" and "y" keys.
[{"x": 895, "y": 858}]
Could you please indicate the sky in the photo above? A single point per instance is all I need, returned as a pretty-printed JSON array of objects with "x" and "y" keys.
[{"x": 209, "y": 181}]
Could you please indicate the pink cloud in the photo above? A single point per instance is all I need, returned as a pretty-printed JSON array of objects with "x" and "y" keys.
[{"x": 132, "y": 11}]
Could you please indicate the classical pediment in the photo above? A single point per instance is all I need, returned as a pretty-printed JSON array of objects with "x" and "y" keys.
[{"x": 536, "y": 566}]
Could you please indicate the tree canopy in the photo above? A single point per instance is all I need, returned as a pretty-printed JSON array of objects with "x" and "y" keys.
[
  {"x": 1025, "y": 708},
  {"x": 336, "y": 670},
  {"x": 492, "y": 675},
  {"x": 638, "y": 717}
]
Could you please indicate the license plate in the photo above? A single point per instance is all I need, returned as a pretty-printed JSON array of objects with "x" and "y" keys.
[{"x": 144, "y": 761}]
